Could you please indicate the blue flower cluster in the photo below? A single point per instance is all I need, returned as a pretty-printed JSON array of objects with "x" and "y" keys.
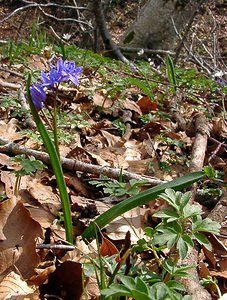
[{"x": 64, "y": 71}]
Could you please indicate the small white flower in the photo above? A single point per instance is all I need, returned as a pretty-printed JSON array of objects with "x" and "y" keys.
[{"x": 66, "y": 36}]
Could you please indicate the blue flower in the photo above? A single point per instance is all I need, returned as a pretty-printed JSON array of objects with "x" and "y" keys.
[
  {"x": 221, "y": 82},
  {"x": 65, "y": 71},
  {"x": 68, "y": 71},
  {"x": 49, "y": 80},
  {"x": 38, "y": 95}
]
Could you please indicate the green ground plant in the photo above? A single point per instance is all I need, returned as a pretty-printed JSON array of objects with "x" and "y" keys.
[
  {"x": 29, "y": 166},
  {"x": 180, "y": 227}
]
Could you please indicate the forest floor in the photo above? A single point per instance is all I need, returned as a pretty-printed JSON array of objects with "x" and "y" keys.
[{"x": 122, "y": 131}]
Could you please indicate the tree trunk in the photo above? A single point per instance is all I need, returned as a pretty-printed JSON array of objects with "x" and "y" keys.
[{"x": 157, "y": 23}]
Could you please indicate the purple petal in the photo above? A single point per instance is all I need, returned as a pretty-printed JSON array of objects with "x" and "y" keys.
[{"x": 38, "y": 95}]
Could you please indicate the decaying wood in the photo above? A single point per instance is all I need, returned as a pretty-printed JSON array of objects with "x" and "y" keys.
[
  {"x": 7, "y": 146},
  {"x": 219, "y": 212},
  {"x": 202, "y": 131}
]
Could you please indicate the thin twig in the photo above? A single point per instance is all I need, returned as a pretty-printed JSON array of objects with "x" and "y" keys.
[
  {"x": 55, "y": 247},
  {"x": 65, "y": 19},
  {"x": 184, "y": 37}
]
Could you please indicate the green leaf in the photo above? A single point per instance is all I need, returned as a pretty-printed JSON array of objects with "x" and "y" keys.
[
  {"x": 141, "y": 285},
  {"x": 170, "y": 197},
  {"x": 129, "y": 37},
  {"x": 149, "y": 232},
  {"x": 159, "y": 291},
  {"x": 167, "y": 213},
  {"x": 171, "y": 72},
  {"x": 116, "y": 290},
  {"x": 175, "y": 285},
  {"x": 174, "y": 227},
  {"x": 185, "y": 199},
  {"x": 202, "y": 240},
  {"x": 210, "y": 172},
  {"x": 142, "y": 86},
  {"x": 140, "y": 199},
  {"x": 187, "y": 297},
  {"x": 138, "y": 295},
  {"x": 172, "y": 241},
  {"x": 168, "y": 265},
  {"x": 164, "y": 237},
  {"x": 188, "y": 240},
  {"x": 208, "y": 225},
  {"x": 191, "y": 210},
  {"x": 182, "y": 247},
  {"x": 128, "y": 282}
]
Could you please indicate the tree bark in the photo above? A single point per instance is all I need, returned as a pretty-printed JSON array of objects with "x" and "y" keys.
[{"x": 157, "y": 24}]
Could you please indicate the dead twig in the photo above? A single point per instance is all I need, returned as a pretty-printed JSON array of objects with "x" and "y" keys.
[
  {"x": 8, "y": 146},
  {"x": 10, "y": 85}
]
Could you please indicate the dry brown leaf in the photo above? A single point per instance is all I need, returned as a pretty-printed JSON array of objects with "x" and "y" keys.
[
  {"x": 74, "y": 182},
  {"x": 132, "y": 151},
  {"x": 13, "y": 287},
  {"x": 220, "y": 274},
  {"x": 65, "y": 282},
  {"x": 5, "y": 161},
  {"x": 19, "y": 232},
  {"x": 131, "y": 105},
  {"x": 112, "y": 140},
  {"x": 101, "y": 100},
  {"x": 41, "y": 275},
  {"x": 9, "y": 130},
  {"x": 219, "y": 127},
  {"x": 146, "y": 105},
  {"x": 130, "y": 221},
  {"x": 108, "y": 248}
]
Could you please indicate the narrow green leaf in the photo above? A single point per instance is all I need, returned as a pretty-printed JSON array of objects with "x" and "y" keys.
[
  {"x": 129, "y": 37},
  {"x": 142, "y": 86},
  {"x": 171, "y": 72},
  {"x": 140, "y": 199},
  {"x": 56, "y": 165},
  {"x": 188, "y": 240}
]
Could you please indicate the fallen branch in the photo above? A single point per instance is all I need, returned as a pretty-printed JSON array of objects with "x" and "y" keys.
[
  {"x": 7, "y": 146},
  {"x": 145, "y": 50},
  {"x": 202, "y": 131},
  {"x": 10, "y": 85}
]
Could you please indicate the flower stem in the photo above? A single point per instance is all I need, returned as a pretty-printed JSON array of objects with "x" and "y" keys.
[
  {"x": 55, "y": 130},
  {"x": 56, "y": 165}
]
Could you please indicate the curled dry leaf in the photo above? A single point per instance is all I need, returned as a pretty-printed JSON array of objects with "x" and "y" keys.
[
  {"x": 18, "y": 238},
  {"x": 9, "y": 130},
  {"x": 108, "y": 248},
  {"x": 13, "y": 287}
]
